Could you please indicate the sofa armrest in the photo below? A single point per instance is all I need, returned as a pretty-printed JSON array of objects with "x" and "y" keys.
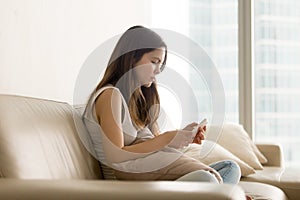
[
  {"x": 101, "y": 189},
  {"x": 273, "y": 152}
]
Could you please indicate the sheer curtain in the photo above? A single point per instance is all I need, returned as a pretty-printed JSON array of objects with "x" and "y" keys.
[
  {"x": 277, "y": 75},
  {"x": 213, "y": 25}
]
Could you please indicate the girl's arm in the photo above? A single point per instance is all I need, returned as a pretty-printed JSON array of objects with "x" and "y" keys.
[
  {"x": 109, "y": 114},
  {"x": 154, "y": 144}
]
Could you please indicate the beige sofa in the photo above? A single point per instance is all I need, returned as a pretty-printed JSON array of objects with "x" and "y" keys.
[
  {"x": 42, "y": 156},
  {"x": 275, "y": 173}
]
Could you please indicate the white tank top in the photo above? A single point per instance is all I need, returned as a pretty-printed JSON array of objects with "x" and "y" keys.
[{"x": 120, "y": 159}]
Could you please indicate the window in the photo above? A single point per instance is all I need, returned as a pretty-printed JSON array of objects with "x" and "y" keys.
[
  {"x": 274, "y": 53},
  {"x": 277, "y": 74},
  {"x": 213, "y": 24}
]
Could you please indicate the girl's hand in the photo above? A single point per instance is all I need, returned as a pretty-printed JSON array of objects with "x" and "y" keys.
[
  {"x": 181, "y": 138},
  {"x": 217, "y": 175},
  {"x": 199, "y": 135},
  {"x": 212, "y": 171},
  {"x": 200, "y": 132},
  {"x": 190, "y": 126}
]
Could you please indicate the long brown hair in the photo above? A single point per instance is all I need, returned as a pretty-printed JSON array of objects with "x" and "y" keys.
[{"x": 143, "y": 102}]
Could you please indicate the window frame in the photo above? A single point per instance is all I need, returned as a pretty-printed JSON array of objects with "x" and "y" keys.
[{"x": 245, "y": 66}]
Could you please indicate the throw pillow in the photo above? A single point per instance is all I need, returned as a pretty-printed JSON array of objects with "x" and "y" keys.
[
  {"x": 262, "y": 159},
  {"x": 235, "y": 139},
  {"x": 210, "y": 152}
]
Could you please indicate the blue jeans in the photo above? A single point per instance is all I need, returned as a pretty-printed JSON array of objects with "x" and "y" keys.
[{"x": 229, "y": 171}]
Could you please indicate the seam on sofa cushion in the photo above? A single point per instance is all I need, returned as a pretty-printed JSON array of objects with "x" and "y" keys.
[{"x": 1, "y": 174}]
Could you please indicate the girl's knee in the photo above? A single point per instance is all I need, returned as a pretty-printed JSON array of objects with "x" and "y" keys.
[
  {"x": 199, "y": 176},
  {"x": 233, "y": 173},
  {"x": 234, "y": 166},
  {"x": 227, "y": 165}
]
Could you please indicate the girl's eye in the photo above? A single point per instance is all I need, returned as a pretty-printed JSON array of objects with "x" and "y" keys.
[{"x": 155, "y": 62}]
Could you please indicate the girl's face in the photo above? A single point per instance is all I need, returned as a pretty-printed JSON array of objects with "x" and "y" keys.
[{"x": 149, "y": 66}]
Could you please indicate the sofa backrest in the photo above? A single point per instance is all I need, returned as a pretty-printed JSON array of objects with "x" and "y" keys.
[{"x": 39, "y": 139}]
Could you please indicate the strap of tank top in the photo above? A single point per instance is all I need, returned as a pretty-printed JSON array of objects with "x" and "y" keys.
[
  {"x": 107, "y": 87},
  {"x": 91, "y": 110}
]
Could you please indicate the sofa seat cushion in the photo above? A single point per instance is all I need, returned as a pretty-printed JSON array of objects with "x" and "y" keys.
[
  {"x": 117, "y": 190},
  {"x": 261, "y": 191},
  {"x": 288, "y": 179}
]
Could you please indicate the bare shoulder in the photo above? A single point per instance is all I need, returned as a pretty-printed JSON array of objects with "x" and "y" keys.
[
  {"x": 108, "y": 94},
  {"x": 109, "y": 99}
]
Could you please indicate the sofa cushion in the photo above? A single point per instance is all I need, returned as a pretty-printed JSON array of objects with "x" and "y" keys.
[
  {"x": 288, "y": 179},
  {"x": 39, "y": 139},
  {"x": 210, "y": 152},
  {"x": 235, "y": 139},
  {"x": 260, "y": 191},
  {"x": 116, "y": 190}
]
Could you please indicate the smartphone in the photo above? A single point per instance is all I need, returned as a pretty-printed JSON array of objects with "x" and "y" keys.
[{"x": 202, "y": 123}]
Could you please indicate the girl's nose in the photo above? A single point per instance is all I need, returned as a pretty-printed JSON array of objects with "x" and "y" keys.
[{"x": 157, "y": 69}]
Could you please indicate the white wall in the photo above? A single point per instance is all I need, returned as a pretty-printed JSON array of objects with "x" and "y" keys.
[{"x": 43, "y": 43}]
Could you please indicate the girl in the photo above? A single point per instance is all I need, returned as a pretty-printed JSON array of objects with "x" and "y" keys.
[{"x": 121, "y": 117}]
